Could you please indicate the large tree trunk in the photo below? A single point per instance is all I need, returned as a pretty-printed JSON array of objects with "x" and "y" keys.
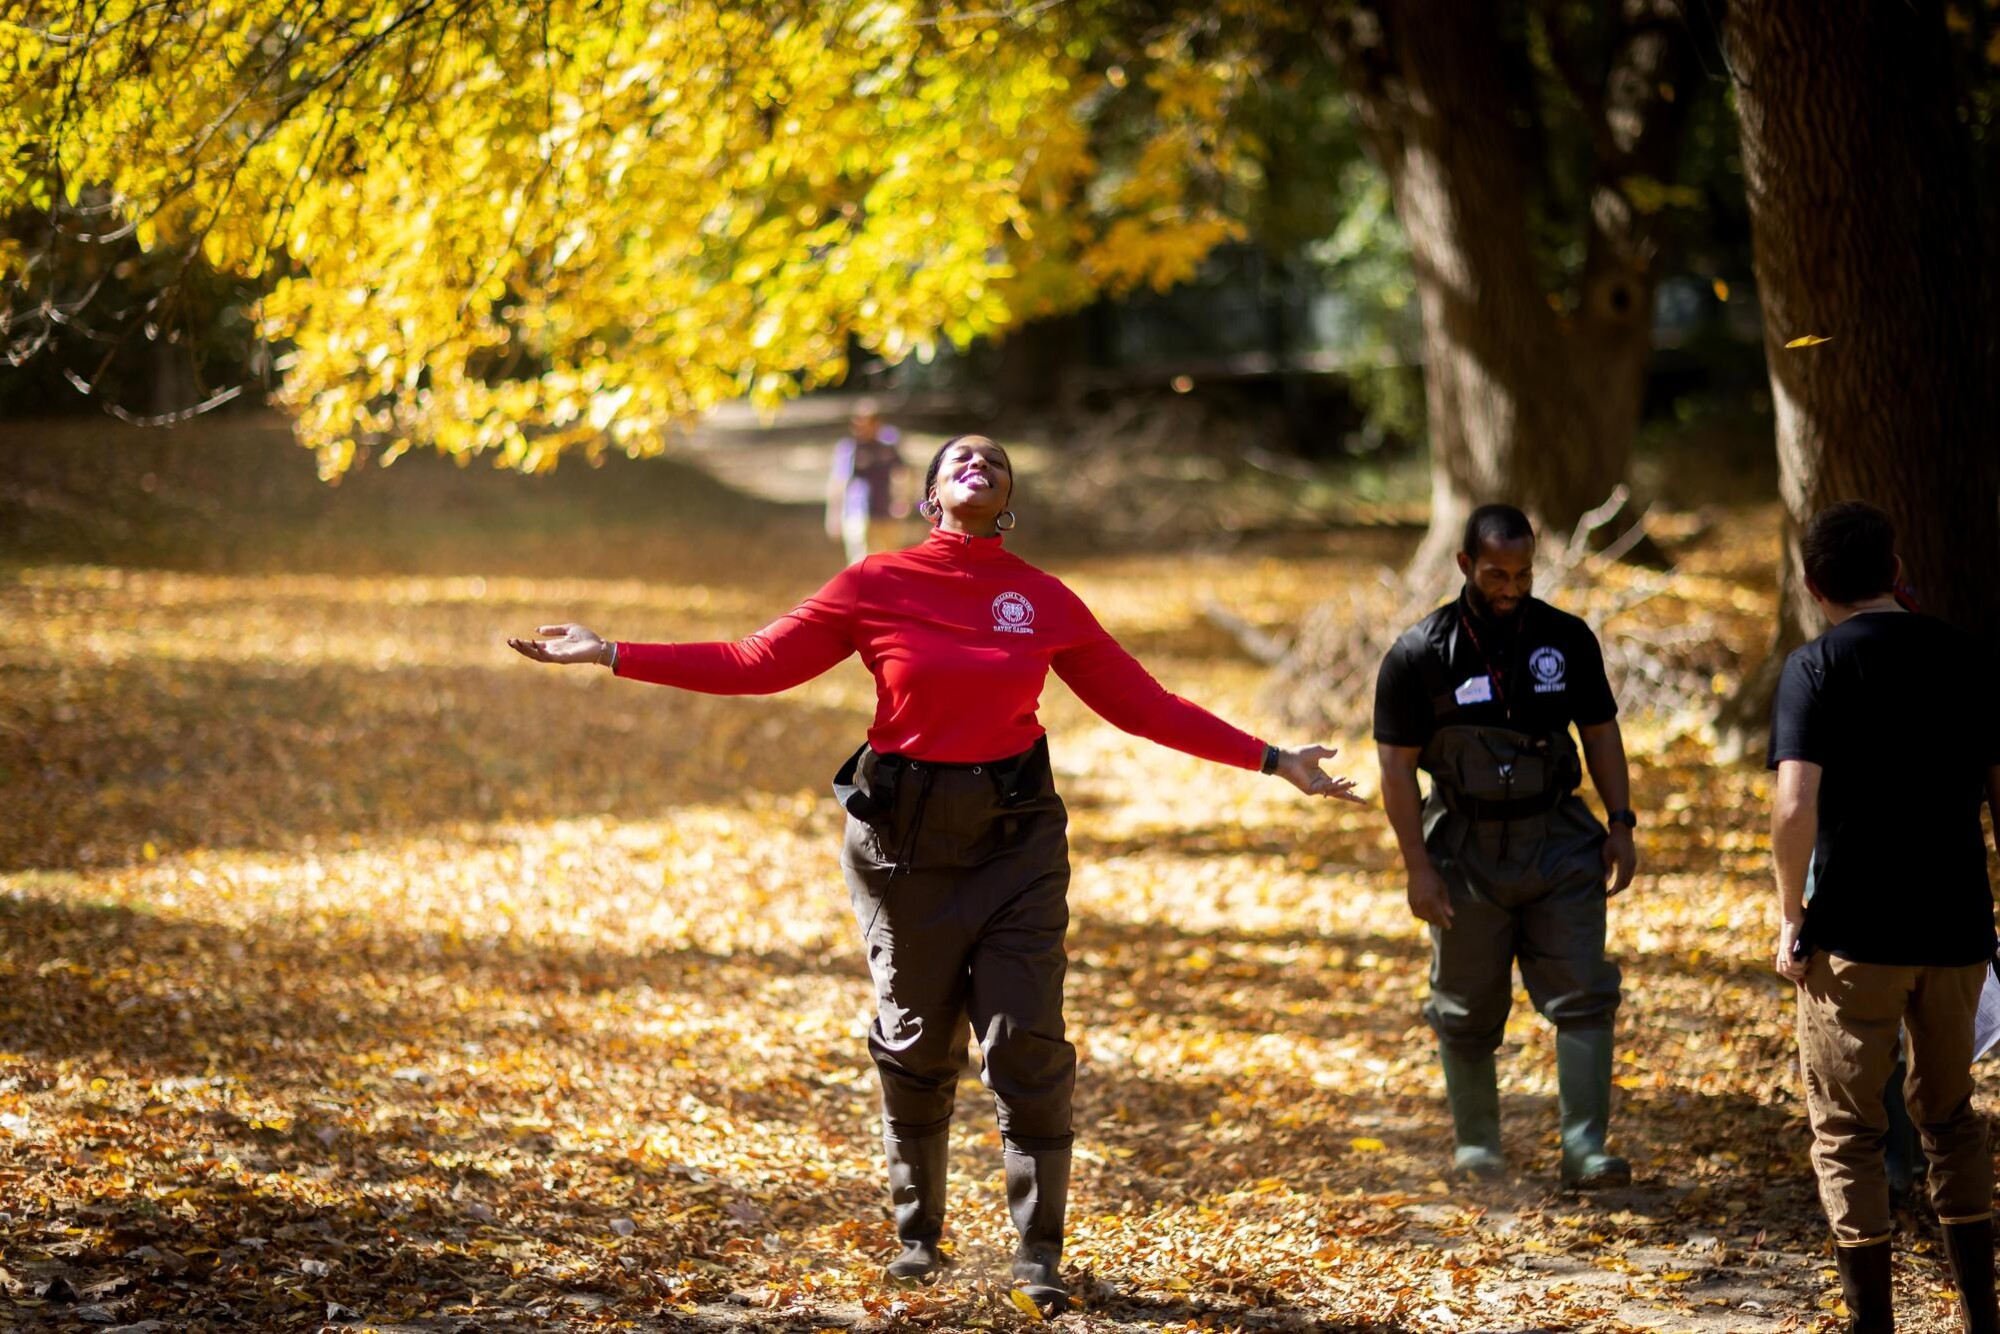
[
  {"x": 1526, "y": 403},
  {"x": 1638, "y": 118},
  {"x": 1865, "y": 225},
  {"x": 1505, "y": 417}
]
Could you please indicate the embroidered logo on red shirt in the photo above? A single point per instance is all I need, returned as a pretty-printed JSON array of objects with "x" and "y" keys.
[{"x": 1013, "y": 614}]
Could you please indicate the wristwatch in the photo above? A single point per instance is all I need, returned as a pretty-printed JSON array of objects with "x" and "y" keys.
[
  {"x": 1270, "y": 762},
  {"x": 1624, "y": 817}
]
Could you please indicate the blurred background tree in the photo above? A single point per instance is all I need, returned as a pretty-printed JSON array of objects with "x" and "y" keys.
[
  {"x": 540, "y": 227},
  {"x": 1502, "y": 237},
  {"x": 533, "y": 228}
]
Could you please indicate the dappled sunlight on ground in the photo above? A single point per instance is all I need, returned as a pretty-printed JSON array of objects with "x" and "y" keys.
[{"x": 346, "y": 958}]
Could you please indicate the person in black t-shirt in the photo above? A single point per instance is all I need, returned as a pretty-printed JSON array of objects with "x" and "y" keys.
[
  {"x": 1505, "y": 862},
  {"x": 1886, "y": 744}
]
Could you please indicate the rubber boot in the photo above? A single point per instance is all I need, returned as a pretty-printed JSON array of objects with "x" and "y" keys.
[
  {"x": 1583, "y": 1084},
  {"x": 1864, "y": 1285},
  {"x": 1969, "y": 1248},
  {"x": 916, "y": 1196},
  {"x": 1472, "y": 1087},
  {"x": 1038, "y": 1197}
]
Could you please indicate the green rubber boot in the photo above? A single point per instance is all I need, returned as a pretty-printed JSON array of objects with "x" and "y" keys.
[
  {"x": 1472, "y": 1087},
  {"x": 1583, "y": 1082}
]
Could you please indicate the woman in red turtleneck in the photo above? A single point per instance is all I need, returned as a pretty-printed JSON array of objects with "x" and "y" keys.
[{"x": 956, "y": 855}]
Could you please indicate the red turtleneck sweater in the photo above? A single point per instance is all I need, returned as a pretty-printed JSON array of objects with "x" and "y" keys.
[{"x": 960, "y": 634}]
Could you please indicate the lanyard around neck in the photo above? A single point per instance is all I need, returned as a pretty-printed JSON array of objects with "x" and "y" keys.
[{"x": 1493, "y": 674}]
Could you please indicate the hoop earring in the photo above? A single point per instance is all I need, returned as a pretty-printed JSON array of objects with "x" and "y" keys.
[
  {"x": 929, "y": 509},
  {"x": 1005, "y": 523}
]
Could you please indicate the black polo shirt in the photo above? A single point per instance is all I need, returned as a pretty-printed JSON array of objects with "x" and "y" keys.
[
  {"x": 1890, "y": 706},
  {"x": 1538, "y": 672}
]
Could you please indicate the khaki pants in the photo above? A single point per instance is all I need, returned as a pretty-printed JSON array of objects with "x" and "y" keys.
[{"x": 1849, "y": 1017}]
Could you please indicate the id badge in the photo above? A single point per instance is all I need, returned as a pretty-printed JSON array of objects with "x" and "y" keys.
[{"x": 1474, "y": 690}]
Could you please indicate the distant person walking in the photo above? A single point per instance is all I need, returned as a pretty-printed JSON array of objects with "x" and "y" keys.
[
  {"x": 956, "y": 854},
  {"x": 1886, "y": 742},
  {"x": 864, "y": 500}
]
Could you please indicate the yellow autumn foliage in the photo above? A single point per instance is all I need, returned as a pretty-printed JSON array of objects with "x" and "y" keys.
[{"x": 525, "y": 229}]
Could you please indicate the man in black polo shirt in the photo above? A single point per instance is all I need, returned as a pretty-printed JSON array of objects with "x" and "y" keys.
[
  {"x": 1505, "y": 862},
  {"x": 1885, "y": 741}
]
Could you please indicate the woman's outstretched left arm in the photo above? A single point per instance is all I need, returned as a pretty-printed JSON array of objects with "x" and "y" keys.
[{"x": 1122, "y": 692}]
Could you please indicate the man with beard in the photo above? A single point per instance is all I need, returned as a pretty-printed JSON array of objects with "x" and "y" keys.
[{"x": 1505, "y": 862}]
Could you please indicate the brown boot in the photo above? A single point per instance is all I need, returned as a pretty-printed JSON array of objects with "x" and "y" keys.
[
  {"x": 1864, "y": 1283},
  {"x": 1969, "y": 1248}
]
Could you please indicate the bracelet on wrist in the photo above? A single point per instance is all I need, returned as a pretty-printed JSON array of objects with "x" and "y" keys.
[
  {"x": 1626, "y": 817},
  {"x": 610, "y": 655}
]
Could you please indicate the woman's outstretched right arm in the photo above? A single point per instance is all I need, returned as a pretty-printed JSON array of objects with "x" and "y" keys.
[{"x": 792, "y": 649}]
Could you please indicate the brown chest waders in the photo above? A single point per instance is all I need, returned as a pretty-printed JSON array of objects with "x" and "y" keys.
[{"x": 959, "y": 879}]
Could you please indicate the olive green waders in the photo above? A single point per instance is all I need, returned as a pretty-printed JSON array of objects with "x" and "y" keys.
[
  {"x": 1522, "y": 858},
  {"x": 959, "y": 878}
]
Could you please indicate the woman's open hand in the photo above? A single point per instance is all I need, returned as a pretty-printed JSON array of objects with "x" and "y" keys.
[
  {"x": 1301, "y": 769},
  {"x": 570, "y": 643}
]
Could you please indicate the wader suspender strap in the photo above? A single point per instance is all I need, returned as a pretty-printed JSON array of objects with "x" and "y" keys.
[
  {"x": 909, "y": 845},
  {"x": 1437, "y": 685}
]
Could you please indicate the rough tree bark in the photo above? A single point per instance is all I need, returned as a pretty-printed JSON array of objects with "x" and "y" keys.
[
  {"x": 1866, "y": 232},
  {"x": 1525, "y": 402}
]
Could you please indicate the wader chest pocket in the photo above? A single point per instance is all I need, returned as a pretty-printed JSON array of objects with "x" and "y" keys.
[{"x": 1498, "y": 764}]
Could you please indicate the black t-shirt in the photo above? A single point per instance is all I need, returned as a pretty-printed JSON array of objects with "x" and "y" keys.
[
  {"x": 1892, "y": 708},
  {"x": 1538, "y": 674}
]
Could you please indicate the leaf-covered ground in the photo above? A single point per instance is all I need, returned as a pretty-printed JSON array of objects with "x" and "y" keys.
[{"x": 355, "y": 970}]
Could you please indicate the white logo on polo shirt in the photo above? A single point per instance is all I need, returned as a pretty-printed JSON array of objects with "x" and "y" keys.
[
  {"x": 1013, "y": 614},
  {"x": 1548, "y": 666}
]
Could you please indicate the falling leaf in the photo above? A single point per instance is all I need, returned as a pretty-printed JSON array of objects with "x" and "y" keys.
[
  {"x": 1721, "y": 289},
  {"x": 1809, "y": 340},
  {"x": 1025, "y": 1303}
]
